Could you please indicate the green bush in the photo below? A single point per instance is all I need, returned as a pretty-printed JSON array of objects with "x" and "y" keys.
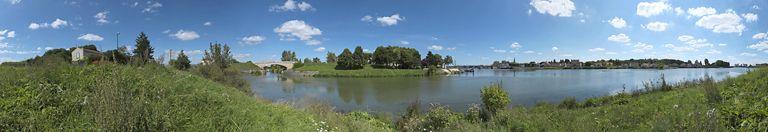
[
  {"x": 569, "y": 103},
  {"x": 473, "y": 114},
  {"x": 440, "y": 117},
  {"x": 494, "y": 98}
]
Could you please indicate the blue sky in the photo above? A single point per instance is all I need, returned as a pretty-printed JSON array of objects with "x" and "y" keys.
[{"x": 474, "y": 32}]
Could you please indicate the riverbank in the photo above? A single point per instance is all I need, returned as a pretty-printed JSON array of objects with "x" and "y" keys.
[
  {"x": 329, "y": 70},
  {"x": 149, "y": 98},
  {"x": 125, "y": 98}
]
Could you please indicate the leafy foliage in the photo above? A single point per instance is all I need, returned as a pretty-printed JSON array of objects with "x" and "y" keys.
[
  {"x": 494, "y": 98},
  {"x": 143, "y": 52}
]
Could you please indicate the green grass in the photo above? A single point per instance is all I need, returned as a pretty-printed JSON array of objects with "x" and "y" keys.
[
  {"x": 155, "y": 98},
  {"x": 328, "y": 70},
  {"x": 123, "y": 98}
]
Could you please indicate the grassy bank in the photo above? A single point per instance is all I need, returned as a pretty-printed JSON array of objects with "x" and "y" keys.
[
  {"x": 155, "y": 98},
  {"x": 124, "y": 98},
  {"x": 329, "y": 70}
]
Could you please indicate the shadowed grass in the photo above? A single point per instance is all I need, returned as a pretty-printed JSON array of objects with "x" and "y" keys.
[{"x": 329, "y": 70}]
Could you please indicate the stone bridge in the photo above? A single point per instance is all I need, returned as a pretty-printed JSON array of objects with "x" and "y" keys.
[{"x": 286, "y": 64}]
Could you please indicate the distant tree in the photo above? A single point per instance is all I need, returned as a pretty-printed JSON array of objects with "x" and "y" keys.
[
  {"x": 448, "y": 60},
  {"x": 289, "y": 56},
  {"x": 330, "y": 57},
  {"x": 346, "y": 60},
  {"x": 721, "y": 63},
  {"x": 143, "y": 52},
  {"x": 432, "y": 59},
  {"x": 219, "y": 55},
  {"x": 119, "y": 55},
  {"x": 307, "y": 60},
  {"x": 359, "y": 58},
  {"x": 182, "y": 61},
  {"x": 316, "y": 60},
  {"x": 706, "y": 62}
]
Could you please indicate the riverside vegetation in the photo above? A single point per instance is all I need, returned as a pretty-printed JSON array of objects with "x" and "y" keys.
[{"x": 142, "y": 95}]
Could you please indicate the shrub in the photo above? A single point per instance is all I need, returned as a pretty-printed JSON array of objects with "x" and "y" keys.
[
  {"x": 569, "y": 103},
  {"x": 494, "y": 98},
  {"x": 473, "y": 114},
  {"x": 440, "y": 117}
]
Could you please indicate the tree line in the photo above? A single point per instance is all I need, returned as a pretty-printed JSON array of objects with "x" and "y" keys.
[{"x": 389, "y": 57}]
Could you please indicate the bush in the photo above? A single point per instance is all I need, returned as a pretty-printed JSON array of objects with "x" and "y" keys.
[
  {"x": 569, "y": 103},
  {"x": 440, "y": 117},
  {"x": 473, "y": 114},
  {"x": 494, "y": 98}
]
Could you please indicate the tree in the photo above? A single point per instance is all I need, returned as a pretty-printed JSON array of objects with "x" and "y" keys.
[
  {"x": 346, "y": 61},
  {"x": 432, "y": 59},
  {"x": 706, "y": 62},
  {"x": 359, "y": 58},
  {"x": 307, "y": 60},
  {"x": 289, "y": 56},
  {"x": 119, "y": 55},
  {"x": 316, "y": 60},
  {"x": 448, "y": 60},
  {"x": 218, "y": 56},
  {"x": 330, "y": 57},
  {"x": 181, "y": 62},
  {"x": 143, "y": 52}
]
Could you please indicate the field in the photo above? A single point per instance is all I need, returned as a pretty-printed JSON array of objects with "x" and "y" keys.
[{"x": 328, "y": 70}]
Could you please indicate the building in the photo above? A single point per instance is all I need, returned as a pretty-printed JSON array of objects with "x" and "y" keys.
[{"x": 80, "y": 54}]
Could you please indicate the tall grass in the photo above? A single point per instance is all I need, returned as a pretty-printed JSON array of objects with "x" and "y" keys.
[{"x": 328, "y": 70}]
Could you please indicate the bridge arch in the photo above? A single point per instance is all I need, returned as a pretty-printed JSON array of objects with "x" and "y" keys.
[{"x": 287, "y": 64}]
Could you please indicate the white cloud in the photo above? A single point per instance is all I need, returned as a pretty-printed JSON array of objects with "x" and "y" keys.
[
  {"x": 642, "y": 47},
  {"x": 4, "y": 45},
  {"x": 435, "y": 47},
  {"x": 367, "y": 18},
  {"x": 722, "y": 44},
  {"x": 701, "y": 11},
  {"x": 685, "y": 38},
  {"x": 760, "y": 36},
  {"x": 207, "y": 23},
  {"x": 13, "y": 2},
  {"x": 290, "y": 30},
  {"x": 750, "y": 17},
  {"x": 619, "y": 38},
  {"x": 243, "y": 56},
  {"x": 291, "y": 5},
  {"x": 253, "y": 39},
  {"x": 567, "y": 55},
  {"x": 747, "y": 54},
  {"x": 596, "y": 49},
  {"x": 529, "y": 52},
  {"x": 679, "y": 11},
  {"x": 405, "y": 42},
  {"x": 760, "y": 46},
  {"x": 680, "y": 48},
  {"x": 499, "y": 51},
  {"x": 450, "y": 48},
  {"x": 555, "y": 49},
  {"x": 728, "y": 22},
  {"x": 320, "y": 49},
  {"x": 151, "y": 7},
  {"x": 7, "y": 34},
  {"x": 610, "y": 53},
  {"x": 389, "y": 20},
  {"x": 713, "y": 51},
  {"x": 58, "y": 23},
  {"x": 90, "y": 37},
  {"x": 656, "y": 26},
  {"x": 561, "y": 8},
  {"x": 693, "y": 42},
  {"x": 515, "y": 45},
  {"x": 648, "y": 9},
  {"x": 617, "y": 22},
  {"x": 101, "y": 17},
  {"x": 185, "y": 35}
]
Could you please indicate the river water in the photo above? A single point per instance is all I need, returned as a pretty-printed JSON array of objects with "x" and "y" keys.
[{"x": 394, "y": 94}]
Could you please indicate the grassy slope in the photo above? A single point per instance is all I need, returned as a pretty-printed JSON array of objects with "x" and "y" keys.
[
  {"x": 328, "y": 70},
  {"x": 131, "y": 98}
]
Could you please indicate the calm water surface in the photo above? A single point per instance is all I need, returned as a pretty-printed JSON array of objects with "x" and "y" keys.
[{"x": 459, "y": 91}]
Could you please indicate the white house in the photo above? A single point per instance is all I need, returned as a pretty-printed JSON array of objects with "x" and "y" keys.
[{"x": 82, "y": 54}]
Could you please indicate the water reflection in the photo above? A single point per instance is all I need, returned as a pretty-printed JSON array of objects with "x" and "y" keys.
[{"x": 459, "y": 91}]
